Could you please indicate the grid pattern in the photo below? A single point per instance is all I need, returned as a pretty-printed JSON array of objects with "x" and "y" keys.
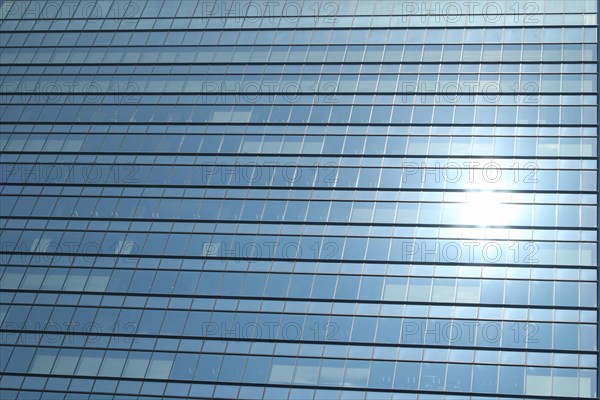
[{"x": 299, "y": 199}]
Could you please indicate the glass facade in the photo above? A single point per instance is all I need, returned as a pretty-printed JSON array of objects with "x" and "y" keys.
[{"x": 299, "y": 199}]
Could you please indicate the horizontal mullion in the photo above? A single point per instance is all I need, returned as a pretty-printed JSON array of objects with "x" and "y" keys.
[
  {"x": 307, "y": 300},
  {"x": 316, "y": 223},
  {"x": 113, "y": 64},
  {"x": 191, "y": 186},
  {"x": 284, "y": 124}
]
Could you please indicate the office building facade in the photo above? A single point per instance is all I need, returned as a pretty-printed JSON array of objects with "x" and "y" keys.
[{"x": 299, "y": 199}]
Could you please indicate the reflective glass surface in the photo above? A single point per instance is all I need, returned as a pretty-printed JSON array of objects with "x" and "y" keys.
[{"x": 351, "y": 199}]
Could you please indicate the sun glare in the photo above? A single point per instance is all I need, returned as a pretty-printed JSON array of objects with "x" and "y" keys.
[{"x": 487, "y": 209}]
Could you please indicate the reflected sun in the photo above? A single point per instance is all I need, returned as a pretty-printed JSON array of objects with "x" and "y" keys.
[{"x": 487, "y": 209}]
